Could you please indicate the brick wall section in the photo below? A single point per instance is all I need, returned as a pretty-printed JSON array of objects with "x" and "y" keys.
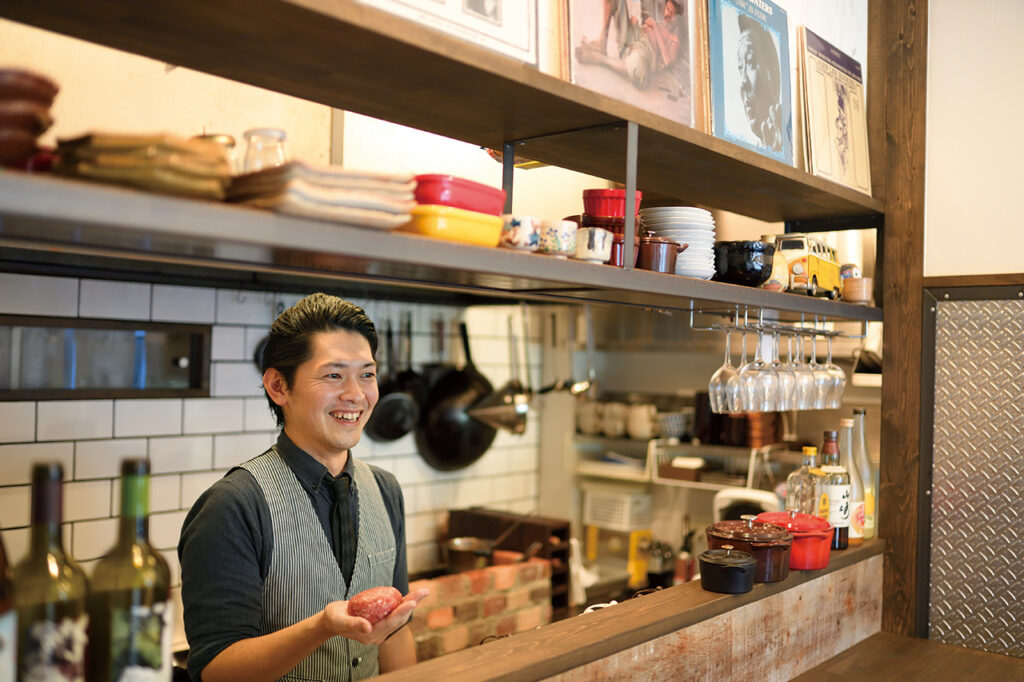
[{"x": 465, "y": 608}]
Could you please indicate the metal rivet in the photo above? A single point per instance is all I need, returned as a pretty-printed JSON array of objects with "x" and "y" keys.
[
  {"x": 1020, "y": 294},
  {"x": 945, "y": 296},
  {"x": 932, "y": 309}
]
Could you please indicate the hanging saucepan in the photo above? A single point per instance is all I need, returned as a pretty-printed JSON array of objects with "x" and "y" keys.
[
  {"x": 397, "y": 412},
  {"x": 409, "y": 380},
  {"x": 506, "y": 408},
  {"x": 447, "y": 437}
]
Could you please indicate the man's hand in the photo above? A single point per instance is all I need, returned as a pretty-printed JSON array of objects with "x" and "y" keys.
[{"x": 339, "y": 622}]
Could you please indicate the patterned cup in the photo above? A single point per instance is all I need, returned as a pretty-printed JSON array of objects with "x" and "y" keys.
[
  {"x": 520, "y": 232},
  {"x": 558, "y": 238}
]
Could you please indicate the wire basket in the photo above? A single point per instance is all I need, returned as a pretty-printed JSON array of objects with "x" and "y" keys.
[{"x": 623, "y": 510}]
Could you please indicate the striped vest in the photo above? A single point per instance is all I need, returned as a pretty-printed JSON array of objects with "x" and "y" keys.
[{"x": 303, "y": 576}]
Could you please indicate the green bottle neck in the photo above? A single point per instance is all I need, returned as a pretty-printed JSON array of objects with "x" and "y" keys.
[{"x": 134, "y": 525}]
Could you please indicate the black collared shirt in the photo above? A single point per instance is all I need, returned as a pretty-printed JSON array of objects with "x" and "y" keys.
[{"x": 227, "y": 541}]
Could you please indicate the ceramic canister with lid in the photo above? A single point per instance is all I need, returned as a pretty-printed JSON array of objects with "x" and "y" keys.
[
  {"x": 767, "y": 543},
  {"x": 812, "y": 537}
]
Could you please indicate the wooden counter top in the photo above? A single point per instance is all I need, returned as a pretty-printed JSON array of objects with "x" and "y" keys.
[
  {"x": 576, "y": 641},
  {"x": 888, "y": 656}
]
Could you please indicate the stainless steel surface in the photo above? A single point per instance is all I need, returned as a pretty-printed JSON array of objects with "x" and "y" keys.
[
  {"x": 977, "y": 595},
  {"x": 58, "y": 216}
]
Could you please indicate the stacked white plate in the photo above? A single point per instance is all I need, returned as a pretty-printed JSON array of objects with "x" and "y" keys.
[{"x": 686, "y": 225}]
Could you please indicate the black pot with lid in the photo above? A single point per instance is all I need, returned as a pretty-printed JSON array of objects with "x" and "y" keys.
[{"x": 727, "y": 570}]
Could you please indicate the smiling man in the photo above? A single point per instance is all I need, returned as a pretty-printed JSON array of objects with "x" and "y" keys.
[{"x": 272, "y": 552}]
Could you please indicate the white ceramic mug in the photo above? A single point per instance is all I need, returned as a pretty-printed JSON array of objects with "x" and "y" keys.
[
  {"x": 588, "y": 417},
  {"x": 613, "y": 419},
  {"x": 640, "y": 423},
  {"x": 593, "y": 244},
  {"x": 520, "y": 232},
  {"x": 558, "y": 238}
]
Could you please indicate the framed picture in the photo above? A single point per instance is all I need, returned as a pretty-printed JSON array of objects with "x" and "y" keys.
[
  {"x": 748, "y": 43},
  {"x": 637, "y": 51},
  {"x": 505, "y": 26}
]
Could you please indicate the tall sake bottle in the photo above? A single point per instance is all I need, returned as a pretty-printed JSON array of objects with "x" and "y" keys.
[
  {"x": 130, "y": 622},
  {"x": 50, "y": 590},
  {"x": 8, "y": 622}
]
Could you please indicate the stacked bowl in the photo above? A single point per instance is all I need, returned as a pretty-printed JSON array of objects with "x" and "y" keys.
[
  {"x": 685, "y": 225},
  {"x": 25, "y": 99}
]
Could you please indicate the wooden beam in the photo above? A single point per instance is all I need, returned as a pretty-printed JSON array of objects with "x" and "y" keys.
[{"x": 901, "y": 521}]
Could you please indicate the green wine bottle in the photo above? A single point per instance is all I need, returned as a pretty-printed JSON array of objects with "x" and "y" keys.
[
  {"x": 130, "y": 624},
  {"x": 50, "y": 590},
  {"x": 8, "y": 622}
]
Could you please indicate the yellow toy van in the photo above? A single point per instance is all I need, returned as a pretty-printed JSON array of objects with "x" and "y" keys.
[{"x": 813, "y": 264}]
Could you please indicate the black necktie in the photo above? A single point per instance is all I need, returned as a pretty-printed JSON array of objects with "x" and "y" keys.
[{"x": 342, "y": 529}]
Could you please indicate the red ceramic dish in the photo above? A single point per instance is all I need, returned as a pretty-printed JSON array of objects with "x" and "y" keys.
[
  {"x": 448, "y": 190},
  {"x": 812, "y": 538},
  {"x": 608, "y": 202}
]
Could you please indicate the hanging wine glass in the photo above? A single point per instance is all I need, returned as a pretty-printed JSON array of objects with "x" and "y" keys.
[
  {"x": 837, "y": 384},
  {"x": 734, "y": 389},
  {"x": 758, "y": 381},
  {"x": 785, "y": 378},
  {"x": 803, "y": 390},
  {"x": 718, "y": 386},
  {"x": 822, "y": 378}
]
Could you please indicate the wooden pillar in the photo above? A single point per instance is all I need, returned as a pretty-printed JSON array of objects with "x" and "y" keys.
[{"x": 903, "y": 26}]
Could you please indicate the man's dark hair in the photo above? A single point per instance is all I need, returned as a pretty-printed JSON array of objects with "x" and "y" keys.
[{"x": 288, "y": 344}]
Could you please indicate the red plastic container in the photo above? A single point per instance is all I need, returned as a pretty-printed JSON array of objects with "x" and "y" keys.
[
  {"x": 812, "y": 538},
  {"x": 448, "y": 190},
  {"x": 608, "y": 202}
]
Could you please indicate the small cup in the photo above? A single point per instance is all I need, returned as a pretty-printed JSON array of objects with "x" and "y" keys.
[
  {"x": 588, "y": 417},
  {"x": 593, "y": 244},
  {"x": 618, "y": 245},
  {"x": 558, "y": 238},
  {"x": 520, "y": 232},
  {"x": 857, "y": 290},
  {"x": 265, "y": 148},
  {"x": 848, "y": 270},
  {"x": 640, "y": 423},
  {"x": 613, "y": 422}
]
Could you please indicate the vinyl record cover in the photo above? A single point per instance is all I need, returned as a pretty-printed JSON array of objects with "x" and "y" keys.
[
  {"x": 636, "y": 51},
  {"x": 750, "y": 82},
  {"x": 836, "y": 120}
]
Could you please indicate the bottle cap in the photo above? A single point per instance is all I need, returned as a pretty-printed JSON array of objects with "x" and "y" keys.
[
  {"x": 831, "y": 435},
  {"x": 845, "y": 421},
  {"x": 48, "y": 472},
  {"x": 135, "y": 466},
  {"x": 810, "y": 450},
  {"x": 859, "y": 410}
]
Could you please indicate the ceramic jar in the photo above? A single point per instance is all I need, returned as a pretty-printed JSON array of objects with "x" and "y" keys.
[{"x": 593, "y": 244}]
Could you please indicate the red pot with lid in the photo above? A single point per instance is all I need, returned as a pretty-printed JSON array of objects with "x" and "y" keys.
[
  {"x": 812, "y": 537},
  {"x": 768, "y": 543}
]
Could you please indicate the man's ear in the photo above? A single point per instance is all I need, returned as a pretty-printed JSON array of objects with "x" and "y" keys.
[{"x": 277, "y": 387}]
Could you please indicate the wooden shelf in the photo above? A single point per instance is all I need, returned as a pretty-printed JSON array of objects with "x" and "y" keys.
[
  {"x": 78, "y": 224},
  {"x": 347, "y": 55}
]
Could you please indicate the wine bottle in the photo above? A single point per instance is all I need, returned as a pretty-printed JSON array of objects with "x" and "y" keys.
[
  {"x": 837, "y": 485},
  {"x": 130, "y": 622},
  {"x": 846, "y": 440},
  {"x": 50, "y": 590},
  {"x": 867, "y": 471},
  {"x": 804, "y": 485},
  {"x": 8, "y": 622}
]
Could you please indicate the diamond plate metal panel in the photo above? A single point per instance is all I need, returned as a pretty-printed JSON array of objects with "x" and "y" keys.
[{"x": 977, "y": 557}]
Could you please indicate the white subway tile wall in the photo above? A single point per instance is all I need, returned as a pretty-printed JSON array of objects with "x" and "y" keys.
[{"x": 192, "y": 442}]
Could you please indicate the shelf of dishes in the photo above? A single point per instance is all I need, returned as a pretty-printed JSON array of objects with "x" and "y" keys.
[
  {"x": 687, "y": 465},
  {"x": 54, "y": 220}
]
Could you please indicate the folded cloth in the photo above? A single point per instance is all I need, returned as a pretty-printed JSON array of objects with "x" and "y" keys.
[
  {"x": 296, "y": 204},
  {"x": 273, "y": 180},
  {"x": 388, "y": 202},
  {"x": 157, "y": 178}
]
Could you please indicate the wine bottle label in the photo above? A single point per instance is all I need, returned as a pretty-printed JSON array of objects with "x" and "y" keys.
[
  {"x": 140, "y": 643},
  {"x": 8, "y": 645},
  {"x": 55, "y": 651},
  {"x": 856, "y": 520},
  {"x": 869, "y": 509},
  {"x": 823, "y": 505},
  {"x": 839, "y": 505}
]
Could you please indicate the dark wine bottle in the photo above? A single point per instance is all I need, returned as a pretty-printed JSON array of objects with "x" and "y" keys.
[
  {"x": 8, "y": 621},
  {"x": 130, "y": 623},
  {"x": 50, "y": 590}
]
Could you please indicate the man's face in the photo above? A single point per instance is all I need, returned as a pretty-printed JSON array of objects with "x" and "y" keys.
[
  {"x": 669, "y": 13},
  {"x": 332, "y": 394},
  {"x": 754, "y": 87}
]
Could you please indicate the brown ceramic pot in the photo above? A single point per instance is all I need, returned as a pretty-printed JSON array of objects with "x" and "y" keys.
[{"x": 769, "y": 544}]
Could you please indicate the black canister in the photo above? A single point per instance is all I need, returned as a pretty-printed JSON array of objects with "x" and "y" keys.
[{"x": 727, "y": 570}]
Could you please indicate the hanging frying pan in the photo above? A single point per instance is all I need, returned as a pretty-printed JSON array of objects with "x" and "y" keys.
[
  {"x": 408, "y": 379},
  {"x": 447, "y": 437},
  {"x": 397, "y": 411},
  {"x": 506, "y": 408}
]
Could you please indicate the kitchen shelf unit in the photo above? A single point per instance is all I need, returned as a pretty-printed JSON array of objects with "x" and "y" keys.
[{"x": 348, "y": 55}]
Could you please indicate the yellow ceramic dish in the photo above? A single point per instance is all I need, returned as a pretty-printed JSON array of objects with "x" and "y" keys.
[{"x": 454, "y": 225}]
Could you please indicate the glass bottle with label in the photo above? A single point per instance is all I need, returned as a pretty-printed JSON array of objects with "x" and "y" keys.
[
  {"x": 8, "y": 621},
  {"x": 804, "y": 485},
  {"x": 862, "y": 461},
  {"x": 130, "y": 623},
  {"x": 837, "y": 490},
  {"x": 856, "y": 483},
  {"x": 50, "y": 590}
]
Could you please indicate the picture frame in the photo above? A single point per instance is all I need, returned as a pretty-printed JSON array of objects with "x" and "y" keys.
[{"x": 505, "y": 26}]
